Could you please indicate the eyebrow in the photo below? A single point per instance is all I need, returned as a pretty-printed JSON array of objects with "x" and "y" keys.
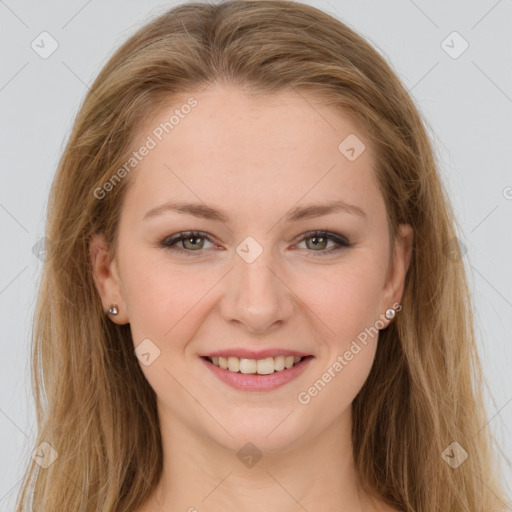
[{"x": 204, "y": 211}]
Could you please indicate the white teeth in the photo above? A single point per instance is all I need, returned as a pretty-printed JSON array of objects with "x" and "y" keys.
[
  {"x": 248, "y": 365},
  {"x": 233, "y": 364},
  {"x": 265, "y": 366},
  {"x": 289, "y": 361},
  {"x": 279, "y": 363},
  {"x": 260, "y": 366}
]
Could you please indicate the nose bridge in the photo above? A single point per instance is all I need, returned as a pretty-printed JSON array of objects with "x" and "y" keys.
[{"x": 257, "y": 297}]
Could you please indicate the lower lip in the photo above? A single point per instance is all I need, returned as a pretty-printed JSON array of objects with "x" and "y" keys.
[{"x": 255, "y": 382}]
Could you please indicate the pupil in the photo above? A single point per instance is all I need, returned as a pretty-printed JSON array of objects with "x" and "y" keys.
[
  {"x": 194, "y": 239},
  {"x": 315, "y": 240}
]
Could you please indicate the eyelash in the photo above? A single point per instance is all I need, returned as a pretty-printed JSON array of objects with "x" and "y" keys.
[{"x": 169, "y": 243}]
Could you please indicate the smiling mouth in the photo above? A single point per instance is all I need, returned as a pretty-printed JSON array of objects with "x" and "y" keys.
[{"x": 265, "y": 366}]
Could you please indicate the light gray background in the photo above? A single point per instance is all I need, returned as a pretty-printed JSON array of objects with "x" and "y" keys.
[{"x": 467, "y": 101}]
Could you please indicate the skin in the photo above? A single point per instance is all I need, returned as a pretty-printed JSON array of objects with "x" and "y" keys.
[{"x": 256, "y": 159}]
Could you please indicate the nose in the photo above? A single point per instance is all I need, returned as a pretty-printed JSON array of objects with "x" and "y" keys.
[{"x": 256, "y": 294}]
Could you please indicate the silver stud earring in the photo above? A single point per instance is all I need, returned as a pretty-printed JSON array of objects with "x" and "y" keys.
[
  {"x": 390, "y": 314},
  {"x": 113, "y": 310}
]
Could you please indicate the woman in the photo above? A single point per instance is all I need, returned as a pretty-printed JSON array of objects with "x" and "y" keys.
[{"x": 317, "y": 349}]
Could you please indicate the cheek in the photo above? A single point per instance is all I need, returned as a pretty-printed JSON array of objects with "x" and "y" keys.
[
  {"x": 159, "y": 297},
  {"x": 345, "y": 298},
  {"x": 346, "y": 307},
  {"x": 164, "y": 305}
]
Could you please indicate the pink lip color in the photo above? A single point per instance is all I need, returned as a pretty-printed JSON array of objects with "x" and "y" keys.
[{"x": 254, "y": 382}]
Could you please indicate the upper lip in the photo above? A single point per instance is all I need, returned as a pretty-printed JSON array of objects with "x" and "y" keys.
[{"x": 245, "y": 353}]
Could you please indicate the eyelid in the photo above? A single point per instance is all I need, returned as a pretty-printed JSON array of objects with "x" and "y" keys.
[
  {"x": 341, "y": 241},
  {"x": 183, "y": 235}
]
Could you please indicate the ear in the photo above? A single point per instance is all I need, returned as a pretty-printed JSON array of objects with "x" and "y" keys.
[
  {"x": 401, "y": 259},
  {"x": 106, "y": 278}
]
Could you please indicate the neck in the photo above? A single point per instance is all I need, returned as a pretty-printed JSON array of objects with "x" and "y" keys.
[{"x": 201, "y": 474}]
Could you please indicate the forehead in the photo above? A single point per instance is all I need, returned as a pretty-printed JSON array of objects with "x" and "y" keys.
[{"x": 223, "y": 146}]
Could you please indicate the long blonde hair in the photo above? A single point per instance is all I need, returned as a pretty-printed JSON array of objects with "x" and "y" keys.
[{"x": 94, "y": 405}]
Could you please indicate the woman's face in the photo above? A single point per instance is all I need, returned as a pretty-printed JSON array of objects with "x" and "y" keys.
[{"x": 254, "y": 278}]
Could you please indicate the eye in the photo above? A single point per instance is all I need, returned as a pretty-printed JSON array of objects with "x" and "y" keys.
[
  {"x": 320, "y": 239},
  {"x": 193, "y": 241}
]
